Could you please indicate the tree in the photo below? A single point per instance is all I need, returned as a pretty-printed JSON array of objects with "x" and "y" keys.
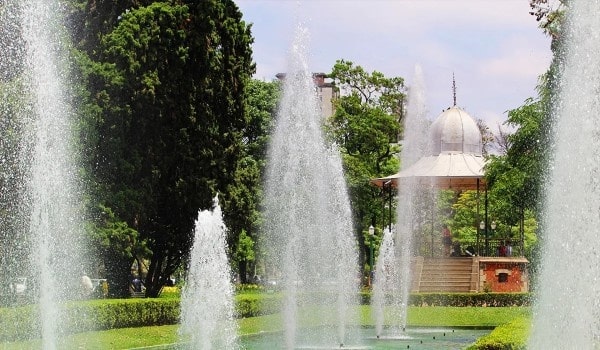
[
  {"x": 244, "y": 195},
  {"x": 487, "y": 137},
  {"x": 169, "y": 88},
  {"x": 118, "y": 245},
  {"x": 366, "y": 125}
]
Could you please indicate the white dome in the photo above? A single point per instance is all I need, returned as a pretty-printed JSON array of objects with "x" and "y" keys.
[{"x": 455, "y": 131}]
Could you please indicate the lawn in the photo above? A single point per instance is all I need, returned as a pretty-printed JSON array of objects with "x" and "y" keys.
[{"x": 130, "y": 338}]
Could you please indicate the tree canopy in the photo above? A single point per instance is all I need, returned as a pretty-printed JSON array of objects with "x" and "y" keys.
[
  {"x": 168, "y": 90},
  {"x": 366, "y": 125}
]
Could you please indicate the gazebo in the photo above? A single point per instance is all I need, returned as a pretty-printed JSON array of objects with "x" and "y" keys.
[{"x": 455, "y": 162}]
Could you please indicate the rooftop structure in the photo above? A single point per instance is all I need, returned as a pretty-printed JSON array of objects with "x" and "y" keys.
[{"x": 455, "y": 161}]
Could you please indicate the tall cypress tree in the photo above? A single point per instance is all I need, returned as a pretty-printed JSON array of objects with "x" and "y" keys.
[{"x": 168, "y": 86}]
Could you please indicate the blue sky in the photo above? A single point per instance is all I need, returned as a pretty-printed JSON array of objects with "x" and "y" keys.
[{"x": 494, "y": 47}]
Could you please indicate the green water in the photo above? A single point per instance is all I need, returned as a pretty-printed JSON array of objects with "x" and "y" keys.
[{"x": 417, "y": 338}]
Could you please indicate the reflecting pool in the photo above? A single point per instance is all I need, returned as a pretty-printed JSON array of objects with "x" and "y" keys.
[{"x": 413, "y": 338}]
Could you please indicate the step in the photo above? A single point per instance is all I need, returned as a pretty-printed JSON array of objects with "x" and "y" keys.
[
  {"x": 445, "y": 278},
  {"x": 444, "y": 275},
  {"x": 444, "y": 289}
]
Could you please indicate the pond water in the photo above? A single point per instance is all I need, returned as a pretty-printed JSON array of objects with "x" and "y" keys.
[{"x": 413, "y": 338}]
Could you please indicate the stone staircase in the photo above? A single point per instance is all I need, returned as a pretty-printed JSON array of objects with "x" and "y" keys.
[{"x": 445, "y": 275}]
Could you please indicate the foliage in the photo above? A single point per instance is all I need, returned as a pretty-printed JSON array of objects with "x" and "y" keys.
[
  {"x": 83, "y": 316},
  {"x": 244, "y": 194},
  {"x": 168, "y": 87},
  {"x": 462, "y": 299},
  {"x": 471, "y": 299},
  {"x": 516, "y": 179},
  {"x": 119, "y": 244},
  {"x": 365, "y": 126},
  {"x": 509, "y": 336},
  {"x": 550, "y": 15},
  {"x": 128, "y": 338},
  {"x": 252, "y": 305},
  {"x": 170, "y": 292},
  {"x": 245, "y": 248},
  {"x": 466, "y": 218}
]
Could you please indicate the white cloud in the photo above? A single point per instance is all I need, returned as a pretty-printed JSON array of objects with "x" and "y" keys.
[
  {"x": 494, "y": 47},
  {"x": 517, "y": 58}
]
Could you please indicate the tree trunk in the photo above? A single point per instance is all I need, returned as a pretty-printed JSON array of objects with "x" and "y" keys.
[
  {"x": 153, "y": 285},
  {"x": 118, "y": 276},
  {"x": 242, "y": 266}
]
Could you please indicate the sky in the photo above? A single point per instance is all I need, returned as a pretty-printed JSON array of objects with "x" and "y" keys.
[{"x": 494, "y": 48}]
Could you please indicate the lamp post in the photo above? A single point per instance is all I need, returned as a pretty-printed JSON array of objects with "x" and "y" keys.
[
  {"x": 371, "y": 238},
  {"x": 482, "y": 229},
  {"x": 493, "y": 227}
]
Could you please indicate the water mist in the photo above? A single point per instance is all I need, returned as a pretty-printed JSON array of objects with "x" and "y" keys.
[
  {"x": 308, "y": 223},
  {"x": 393, "y": 274},
  {"x": 36, "y": 61},
  {"x": 207, "y": 310},
  {"x": 566, "y": 314}
]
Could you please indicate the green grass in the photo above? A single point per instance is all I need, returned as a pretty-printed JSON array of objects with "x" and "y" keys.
[
  {"x": 128, "y": 338},
  {"x": 121, "y": 338}
]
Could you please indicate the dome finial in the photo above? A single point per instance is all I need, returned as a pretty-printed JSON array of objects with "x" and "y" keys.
[{"x": 453, "y": 90}]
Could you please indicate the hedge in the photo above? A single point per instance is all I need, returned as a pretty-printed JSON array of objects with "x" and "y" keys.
[
  {"x": 471, "y": 299},
  {"x": 462, "y": 299},
  {"x": 16, "y": 323},
  {"x": 510, "y": 336},
  {"x": 21, "y": 322}
]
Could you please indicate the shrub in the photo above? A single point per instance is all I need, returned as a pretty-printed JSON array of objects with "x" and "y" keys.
[
  {"x": 461, "y": 299},
  {"x": 251, "y": 305},
  {"x": 16, "y": 322},
  {"x": 470, "y": 299},
  {"x": 80, "y": 316},
  {"x": 170, "y": 292},
  {"x": 510, "y": 336}
]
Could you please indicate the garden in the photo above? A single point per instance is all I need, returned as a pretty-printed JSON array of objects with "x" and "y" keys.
[{"x": 153, "y": 323}]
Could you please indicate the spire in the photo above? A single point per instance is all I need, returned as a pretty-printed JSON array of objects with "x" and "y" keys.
[{"x": 453, "y": 90}]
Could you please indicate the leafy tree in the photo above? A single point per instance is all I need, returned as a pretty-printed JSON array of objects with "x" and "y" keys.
[
  {"x": 118, "y": 244},
  {"x": 366, "y": 125},
  {"x": 465, "y": 220},
  {"x": 516, "y": 179},
  {"x": 243, "y": 196},
  {"x": 168, "y": 91},
  {"x": 487, "y": 137}
]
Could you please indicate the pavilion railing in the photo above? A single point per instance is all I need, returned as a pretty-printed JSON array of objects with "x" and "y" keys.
[{"x": 492, "y": 247}]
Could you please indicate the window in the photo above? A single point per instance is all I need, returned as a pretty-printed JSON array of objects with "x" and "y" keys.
[{"x": 502, "y": 277}]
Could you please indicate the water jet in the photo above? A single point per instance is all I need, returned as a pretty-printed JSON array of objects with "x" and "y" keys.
[{"x": 308, "y": 221}]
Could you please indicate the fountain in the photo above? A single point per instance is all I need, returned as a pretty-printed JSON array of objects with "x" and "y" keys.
[
  {"x": 392, "y": 285},
  {"x": 207, "y": 312},
  {"x": 566, "y": 313},
  {"x": 51, "y": 195},
  {"x": 308, "y": 222},
  {"x": 387, "y": 289}
]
